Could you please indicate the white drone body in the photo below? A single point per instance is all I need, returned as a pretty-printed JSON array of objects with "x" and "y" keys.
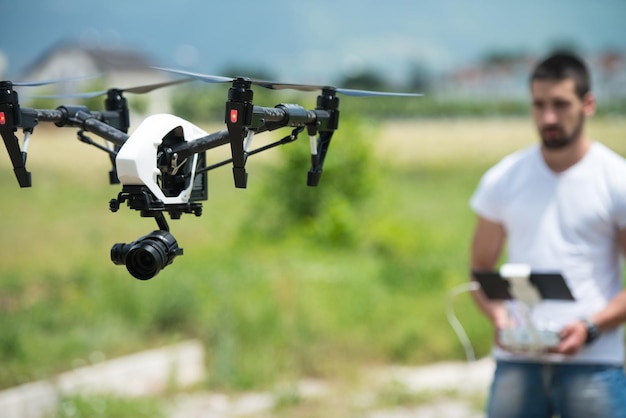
[{"x": 136, "y": 161}]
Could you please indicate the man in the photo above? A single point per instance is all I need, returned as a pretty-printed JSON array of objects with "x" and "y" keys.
[{"x": 559, "y": 205}]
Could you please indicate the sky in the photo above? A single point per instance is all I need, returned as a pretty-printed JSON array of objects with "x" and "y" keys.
[{"x": 310, "y": 41}]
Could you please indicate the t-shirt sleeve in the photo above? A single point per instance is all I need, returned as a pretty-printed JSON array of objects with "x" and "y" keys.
[
  {"x": 620, "y": 213},
  {"x": 619, "y": 197},
  {"x": 614, "y": 166},
  {"x": 486, "y": 200}
]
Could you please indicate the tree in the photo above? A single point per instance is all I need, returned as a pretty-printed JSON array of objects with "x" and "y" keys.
[
  {"x": 366, "y": 80},
  {"x": 332, "y": 211}
]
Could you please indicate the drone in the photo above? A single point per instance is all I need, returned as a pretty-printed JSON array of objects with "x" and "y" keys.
[{"x": 162, "y": 165}]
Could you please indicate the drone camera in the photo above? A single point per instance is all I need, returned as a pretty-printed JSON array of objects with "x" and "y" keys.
[{"x": 148, "y": 255}]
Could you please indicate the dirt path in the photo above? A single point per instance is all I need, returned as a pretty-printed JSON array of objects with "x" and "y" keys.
[{"x": 444, "y": 390}]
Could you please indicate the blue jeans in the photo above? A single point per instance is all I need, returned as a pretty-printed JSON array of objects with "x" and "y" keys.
[{"x": 525, "y": 390}]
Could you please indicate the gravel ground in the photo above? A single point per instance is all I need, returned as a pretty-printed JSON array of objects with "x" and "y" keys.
[{"x": 443, "y": 390}]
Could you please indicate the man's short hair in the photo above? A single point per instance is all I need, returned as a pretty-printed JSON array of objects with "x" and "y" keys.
[{"x": 561, "y": 66}]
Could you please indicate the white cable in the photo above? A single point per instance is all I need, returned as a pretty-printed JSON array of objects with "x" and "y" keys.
[
  {"x": 313, "y": 143},
  {"x": 246, "y": 147},
  {"x": 454, "y": 322},
  {"x": 26, "y": 139}
]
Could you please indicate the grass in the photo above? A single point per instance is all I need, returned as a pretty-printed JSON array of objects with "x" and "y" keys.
[
  {"x": 268, "y": 307},
  {"x": 102, "y": 406}
]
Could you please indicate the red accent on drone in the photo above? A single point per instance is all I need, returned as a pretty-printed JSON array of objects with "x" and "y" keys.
[
  {"x": 234, "y": 114},
  {"x": 3, "y": 119}
]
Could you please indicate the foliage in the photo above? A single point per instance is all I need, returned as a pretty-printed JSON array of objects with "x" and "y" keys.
[
  {"x": 326, "y": 211},
  {"x": 95, "y": 406},
  {"x": 206, "y": 104},
  {"x": 368, "y": 80}
]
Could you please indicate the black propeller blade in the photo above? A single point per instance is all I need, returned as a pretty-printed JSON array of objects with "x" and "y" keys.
[
  {"x": 135, "y": 90},
  {"x": 203, "y": 77},
  {"x": 151, "y": 87},
  {"x": 283, "y": 86},
  {"x": 48, "y": 82}
]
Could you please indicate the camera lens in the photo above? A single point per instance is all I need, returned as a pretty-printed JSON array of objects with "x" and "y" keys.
[
  {"x": 118, "y": 254},
  {"x": 148, "y": 255},
  {"x": 146, "y": 259}
]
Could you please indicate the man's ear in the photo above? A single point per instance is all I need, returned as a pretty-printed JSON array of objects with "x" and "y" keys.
[{"x": 589, "y": 104}]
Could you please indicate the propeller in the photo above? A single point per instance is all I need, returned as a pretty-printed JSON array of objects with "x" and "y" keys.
[
  {"x": 136, "y": 90},
  {"x": 283, "y": 86},
  {"x": 48, "y": 82}
]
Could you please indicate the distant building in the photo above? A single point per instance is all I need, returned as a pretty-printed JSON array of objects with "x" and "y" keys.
[
  {"x": 508, "y": 79},
  {"x": 116, "y": 67},
  {"x": 609, "y": 70}
]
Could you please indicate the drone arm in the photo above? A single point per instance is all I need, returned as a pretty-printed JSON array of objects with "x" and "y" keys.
[
  {"x": 263, "y": 119},
  {"x": 282, "y": 115},
  {"x": 270, "y": 118},
  {"x": 74, "y": 116},
  {"x": 322, "y": 122},
  {"x": 214, "y": 140},
  {"x": 103, "y": 130},
  {"x": 80, "y": 116}
]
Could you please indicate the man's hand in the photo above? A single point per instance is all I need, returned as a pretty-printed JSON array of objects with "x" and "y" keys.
[
  {"x": 573, "y": 336},
  {"x": 501, "y": 320}
]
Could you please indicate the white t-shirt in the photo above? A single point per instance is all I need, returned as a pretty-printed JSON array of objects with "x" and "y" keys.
[{"x": 566, "y": 222}]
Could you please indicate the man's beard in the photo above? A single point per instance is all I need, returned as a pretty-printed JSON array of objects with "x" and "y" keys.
[{"x": 562, "y": 141}]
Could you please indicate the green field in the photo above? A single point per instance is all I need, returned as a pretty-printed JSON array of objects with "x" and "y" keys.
[{"x": 361, "y": 283}]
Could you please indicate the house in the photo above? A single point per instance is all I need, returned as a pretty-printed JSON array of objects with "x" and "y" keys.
[
  {"x": 112, "y": 68},
  {"x": 508, "y": 79}
]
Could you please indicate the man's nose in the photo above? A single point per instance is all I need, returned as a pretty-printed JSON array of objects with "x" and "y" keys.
[{"x": 549, "y": 116}]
